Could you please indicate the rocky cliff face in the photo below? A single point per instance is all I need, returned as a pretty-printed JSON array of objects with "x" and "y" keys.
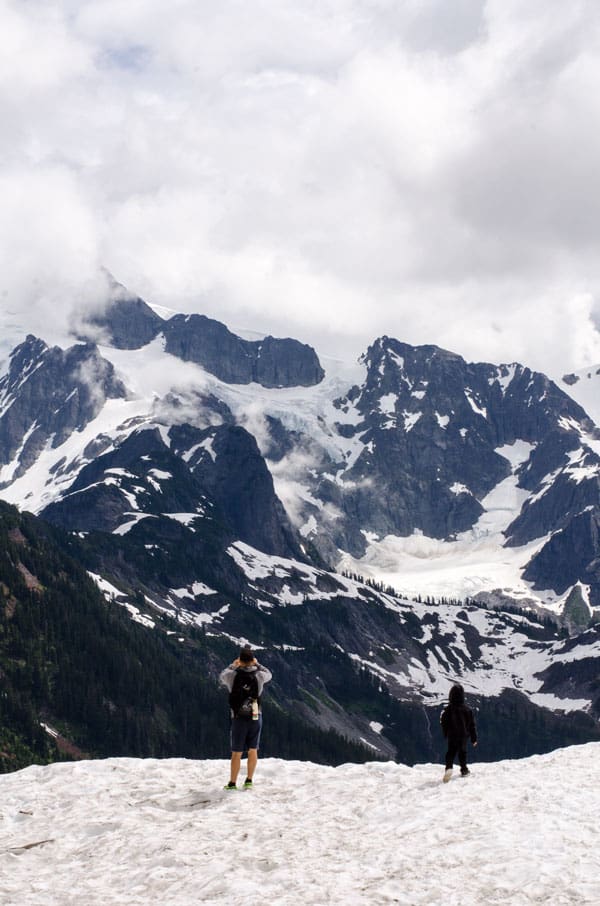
[
  {"x": 429, "y": 436},
  {"x": 215, "y": 476},
  {"x": 426, "y": 442},
  {"x": 571, "y": 555},
  {"x": 270, "y": 362},
  {"x": 227, "y": 464},
  {"x": 127, "y": 322},
  {"x": 47, "y": 394}
]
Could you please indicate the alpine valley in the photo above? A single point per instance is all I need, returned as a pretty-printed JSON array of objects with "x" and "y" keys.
[{"x": 376, "y": 530}]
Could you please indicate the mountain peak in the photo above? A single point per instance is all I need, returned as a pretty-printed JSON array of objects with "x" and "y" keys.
[
  {"x": 271, "y": 362},
  {"x": 125, "y": 320}
]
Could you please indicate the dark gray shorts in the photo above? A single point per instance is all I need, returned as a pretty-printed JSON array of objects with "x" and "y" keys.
[{"x": 245, "y": 733}]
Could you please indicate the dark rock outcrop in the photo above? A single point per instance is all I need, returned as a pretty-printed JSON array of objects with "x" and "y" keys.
[
  {"x": 228, "y": 465},
  {"x": 428, "y": 427},
  {"x": 126, "y": 321},
  {"x": 570, "y": 555},
  {"x": 215, "y": 475},
  {"x": 140, "y": 477},
  {"x": 271, "y": 362},
  {"x": 129, "y": 323},
  {"x": 47, "y": 394}
]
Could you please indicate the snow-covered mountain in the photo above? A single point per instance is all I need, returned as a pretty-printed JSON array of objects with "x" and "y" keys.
[
  {"x": 125, "y": 831},
  {"x": 412, "y": 467},
  {"x": 250, "y": 488}
]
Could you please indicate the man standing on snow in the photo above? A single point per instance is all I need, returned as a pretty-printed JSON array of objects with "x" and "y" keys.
[
  {"x": 458, "y": 725},
  {"x": 245, "y": 679}
]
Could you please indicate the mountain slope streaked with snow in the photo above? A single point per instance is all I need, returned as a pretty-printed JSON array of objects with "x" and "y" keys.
[
  {"x": 124, "y": 832},
  {"x": 178, "y": 457},
  {"x": 412, "y": 443}
]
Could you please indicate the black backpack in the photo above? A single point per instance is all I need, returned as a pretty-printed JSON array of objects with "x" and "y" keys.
[{"x": 243, "y": 692}]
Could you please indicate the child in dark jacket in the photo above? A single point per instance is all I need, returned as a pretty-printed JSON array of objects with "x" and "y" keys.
[{"x": 458, "y": 726}]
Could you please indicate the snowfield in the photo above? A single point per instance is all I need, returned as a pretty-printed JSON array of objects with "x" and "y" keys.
[{"x": 127, "y": 831}]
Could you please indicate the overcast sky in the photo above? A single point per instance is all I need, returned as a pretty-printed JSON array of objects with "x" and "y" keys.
[{"x": 331, "y": 170}]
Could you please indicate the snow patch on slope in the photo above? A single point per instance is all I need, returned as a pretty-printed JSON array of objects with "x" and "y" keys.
[
  {"x": 257, "y": 565},
  {"x": 116, "y": 596},
  {"x": 56, "y": 467},
  {"x": 507, "y": 657}
]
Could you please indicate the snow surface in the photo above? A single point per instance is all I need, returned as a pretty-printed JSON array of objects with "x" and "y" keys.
[
  {"x": 33, "y": 491},
  {"x": 136, "y": 832},
  {"x": 504, "y": 375}
]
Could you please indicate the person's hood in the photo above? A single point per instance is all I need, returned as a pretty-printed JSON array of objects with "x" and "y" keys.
[{"x": 457, "y": 695}]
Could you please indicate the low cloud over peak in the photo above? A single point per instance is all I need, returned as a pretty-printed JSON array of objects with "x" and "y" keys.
[{"x": 333, "y": 172}]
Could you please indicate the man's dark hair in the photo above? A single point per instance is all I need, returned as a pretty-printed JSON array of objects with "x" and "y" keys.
[{"x": 246, "y": 655}]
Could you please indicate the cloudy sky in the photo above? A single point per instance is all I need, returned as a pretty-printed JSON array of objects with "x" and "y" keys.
[{"x": 329, "y": 169}]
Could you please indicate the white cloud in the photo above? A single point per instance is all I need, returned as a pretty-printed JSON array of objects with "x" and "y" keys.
[{"x": 331, "y": 171}]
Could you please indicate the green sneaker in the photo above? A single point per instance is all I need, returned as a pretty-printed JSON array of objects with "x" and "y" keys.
[
  {"x": 230, "y": 786},
  {"x": 247, "y": 784}
]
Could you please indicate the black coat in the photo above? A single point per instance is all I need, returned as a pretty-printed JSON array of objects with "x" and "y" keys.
[{"x": 458, "y": 723}]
